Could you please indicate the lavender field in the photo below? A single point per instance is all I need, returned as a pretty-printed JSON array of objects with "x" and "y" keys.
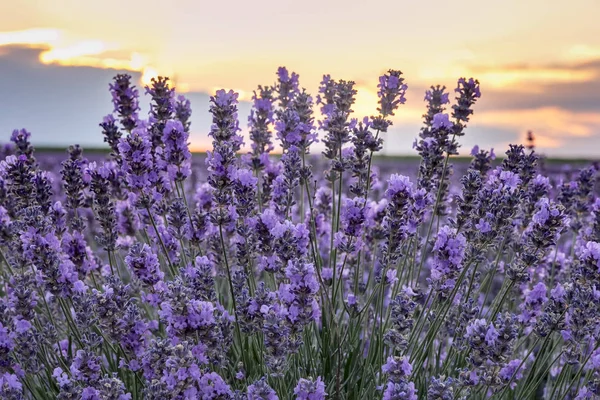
[{"x": 146, "y": 272}]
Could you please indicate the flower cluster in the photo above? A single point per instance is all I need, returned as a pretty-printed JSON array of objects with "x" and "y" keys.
[{"x": 149, "y": 272}]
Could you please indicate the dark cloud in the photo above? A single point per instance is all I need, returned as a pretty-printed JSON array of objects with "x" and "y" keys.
[
  {"x": 573, "y": 96},
  {"x": 576, "y": 97}
]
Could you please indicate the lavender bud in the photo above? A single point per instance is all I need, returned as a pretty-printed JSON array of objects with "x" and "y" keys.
[{"x": 125, "y": 101}]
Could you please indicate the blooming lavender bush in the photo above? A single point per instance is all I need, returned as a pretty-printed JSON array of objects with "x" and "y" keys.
[{"x": 145, "y": 276}]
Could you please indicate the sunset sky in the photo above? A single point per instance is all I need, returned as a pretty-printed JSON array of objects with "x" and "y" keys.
[{"x": 538, "y": 61}]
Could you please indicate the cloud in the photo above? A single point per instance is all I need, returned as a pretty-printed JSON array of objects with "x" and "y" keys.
[
  {"x": 530, "y": 77},
  {"x": 574, "y": 86},
  {"x": 59, "y": 49},
  {"x": 583, "y": 52},
  {"x": 85, "y": 48},
  {"x": 574, "y": 79},
  {"x": 555, "y": 122},
  {"x": 31, "y": 37}
]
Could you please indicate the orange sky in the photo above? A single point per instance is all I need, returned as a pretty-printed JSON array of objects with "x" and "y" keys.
[{"x": 519, "y": 50}]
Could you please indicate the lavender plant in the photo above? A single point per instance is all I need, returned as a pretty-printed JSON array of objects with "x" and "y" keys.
[{"x": 146, "y": 275}]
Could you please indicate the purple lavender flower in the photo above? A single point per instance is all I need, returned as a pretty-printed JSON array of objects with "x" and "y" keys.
[
  {"x": 494, "y": 208},
  {"x": 85, "y": 367},
  {"x": 57, "y": 215},
  {"x": 285, "y": 184},
  {"x": 125, "y": 101},
  {"x": 75, "y": 247},
  {"x": 471, "y": 184},
  {"x": 402, "y": 215},
  {"x": 221, "y": 161},
  {"x": 161, "y": 108},
  {"x": 589, "y": 261},
  {"x": 441, "y": 388},
  {"x": 432, "y": 156},
  {"x": 213, "y": 387},
  {"x": 176, "y": 155},
  {"x": 520, "y": 162},
  {"x": 68, "y": 389},
  {"x": 287, "y": 128},
  {"x": 397, "y": 368},
  {"x": 534, "y": 302},
  {"x": 538, "y": 188},
  {"x": 11, "y": 387},
  {"x": 183, "y": 111},
  {"x": 542, "y": 233},
  {"x": 552, "y": 317},
  {"x": 21, "y": 138},
  {"x": 244, "y": 186},
  {"x": 441, "y": 121},
  {"x": 259, "y": 121},
  {"x": 364, "y": 145},
  {"x": 290, "y": 241},
  {"x": 401, "y": 317},
  {"x": 580, "y": 320},
  {"x": 512, "y": 372},
  {"x": 338, "y": 98},
  {"x": 112, "y": 134},
  {"x": 392, "y": 90},
  {"x": 188, "y": 317},
  {"x": 103, "y": 206},
  {"x": 287, "y": 87},
  {"x": 276, "y": 333},
  {"x": 22, "y": 296},
  {"x": 42, "y": 182},
  {"x": 73, "y": 177},
  {"x": 144, "y": 264},
  {"x": 468, "y": 93},
  {"x": 435, "y": 140},
  {"x": 300, "y": 295},
  {"x": 482, "y": 160},
  {"x": 133, "y": 330},
  {"x": 178, "y": 220},
  {"x": 303, "y": 107},
  {"x": 400, "y": 391},
  {"x": 44, "y": 251},
  {"x": 490, "y": 344},
  {"x": 109, "y": 387},
  {"x": 578, "y": 196},
  {"x": 138, "y": 164},
  {"x": 436, "y": 97},
  {"x": 308, "y": 389},
  {"x": 224, "y": 110},
  {"x": 18, "y": 178},
  {"x": 449, "y": 250},
  {"x": 585, "y": 394},
  {"x": 260, "y": 390},
  {"x": 352, "y": 217}
]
